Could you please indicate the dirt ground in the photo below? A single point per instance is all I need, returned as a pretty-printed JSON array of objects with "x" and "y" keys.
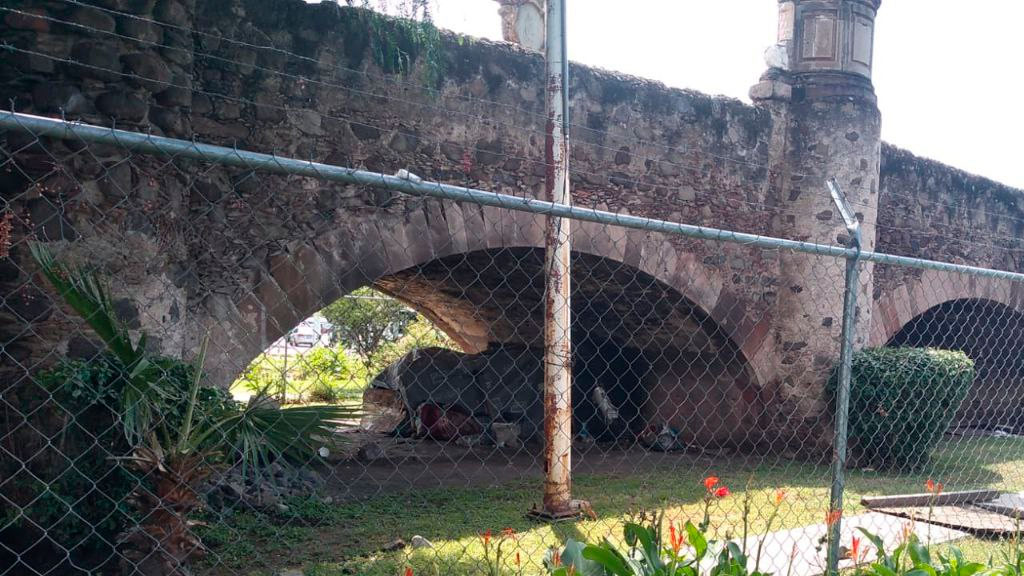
[{"x": 409, "y": 463}]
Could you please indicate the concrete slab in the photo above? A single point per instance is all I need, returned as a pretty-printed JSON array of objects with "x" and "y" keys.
[
  {"x": 972, "y": 519},
  {"x": 804, "y": 548},
  {"x": 1011, "y": 505}
]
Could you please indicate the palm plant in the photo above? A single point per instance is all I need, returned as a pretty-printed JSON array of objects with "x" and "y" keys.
[{"x": 177, "y": 461}]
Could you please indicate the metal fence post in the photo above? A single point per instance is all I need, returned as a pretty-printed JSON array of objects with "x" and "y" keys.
[
  {"x": 835, "y": 507},
  {"x": 557, "y": 502}
]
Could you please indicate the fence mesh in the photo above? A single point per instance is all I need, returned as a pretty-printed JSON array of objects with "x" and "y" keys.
[{"x": 237, "y": 370}]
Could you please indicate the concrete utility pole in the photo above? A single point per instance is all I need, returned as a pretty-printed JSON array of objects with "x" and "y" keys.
[{"x": 558, "y": 501}]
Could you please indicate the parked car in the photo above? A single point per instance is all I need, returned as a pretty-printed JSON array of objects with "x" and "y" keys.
[{"x": 303, "y": 339}]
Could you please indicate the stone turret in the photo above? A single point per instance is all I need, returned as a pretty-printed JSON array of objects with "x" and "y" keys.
[
  {"x": 826, "y": 125},
  {"x": 522, "y": 22},
  {"x": 825, "y": 47}
]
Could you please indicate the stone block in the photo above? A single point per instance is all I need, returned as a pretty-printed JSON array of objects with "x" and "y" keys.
[
  {"x": 506, "y": 434},
  {"x": 30, "y": 20},
  {"x": 149, "y": 70},
  {"x": 383, "y": 410},
  {"x": 122, "y": 105},
  {"x": 97, "y": 60}
]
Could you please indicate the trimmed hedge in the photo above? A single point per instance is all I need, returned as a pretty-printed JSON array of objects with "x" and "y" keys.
[{"x": 902, "y": 400}]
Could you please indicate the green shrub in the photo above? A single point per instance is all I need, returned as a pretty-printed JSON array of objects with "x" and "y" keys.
[
  {"x": 901, "y": 402},
  {"x": 323, "y": 392},
  {"x": 79, "y": 493}
]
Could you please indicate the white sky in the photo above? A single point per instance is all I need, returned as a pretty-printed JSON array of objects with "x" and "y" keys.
[{"x": 947, "y": 72}]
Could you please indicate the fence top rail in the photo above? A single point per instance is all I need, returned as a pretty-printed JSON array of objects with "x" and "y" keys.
[{"x": 403, "y": 181}]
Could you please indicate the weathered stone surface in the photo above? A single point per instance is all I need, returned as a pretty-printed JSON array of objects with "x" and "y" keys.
[
  {"x": 33, "y": 19},
  {"x": 92, "y": 18},
  {"x": 95, "y": 60},
  {"x": 149, "y": 70},
  {"x": 691, "y": 324},
  {"x": 140, "y": 29},
  {"x": 172, "y": 122},
  {"x": 122, "y": 105},
  {"x": 179, "y": 94},
  {"x": 383, "y": 410}
]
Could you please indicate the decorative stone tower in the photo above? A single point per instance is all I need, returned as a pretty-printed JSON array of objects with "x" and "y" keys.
[
  {"x": 522, "y": 22},
  {"x": 826, "y": 125},
  {"x": 825, "y": 46}
]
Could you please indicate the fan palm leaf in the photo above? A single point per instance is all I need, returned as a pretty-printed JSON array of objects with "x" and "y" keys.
[
  {"x": 258, "y": 435},
  {"x": 89, "y": 296}
]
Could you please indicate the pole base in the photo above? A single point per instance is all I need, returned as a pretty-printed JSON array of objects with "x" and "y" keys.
[{"x": 576, "y": 510}]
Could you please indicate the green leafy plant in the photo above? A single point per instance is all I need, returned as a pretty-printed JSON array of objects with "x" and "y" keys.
[
  {"x": 178, "y": 455},
  {"x": 647, "y": 554},
  {"x": 397, "y": 43},
  {"x": 901, "y": 402},
  {"x": 912, "y": 558}
]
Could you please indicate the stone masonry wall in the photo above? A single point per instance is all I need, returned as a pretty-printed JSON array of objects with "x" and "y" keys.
[
  {"x": 244, "y": 256},
  {"x": 248, "y": 256}
]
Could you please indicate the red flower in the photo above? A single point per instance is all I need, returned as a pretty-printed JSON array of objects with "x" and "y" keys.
[
  {"x": 486, "y": 537},
  {"x": 556, "y": 558},
  {"x": 832, "y": 517},
  {"x": 855, "y": 549},
  {"x": 710, "y": 482},
  {"x": 408, "y": 571},
  {"x": 675, "y": 539},
  {"x": 722, "y": 492}
]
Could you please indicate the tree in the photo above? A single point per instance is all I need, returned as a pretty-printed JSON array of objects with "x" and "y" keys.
[
  {"x": 365, "y": 320},
  {"x": 380, "y": 329}
]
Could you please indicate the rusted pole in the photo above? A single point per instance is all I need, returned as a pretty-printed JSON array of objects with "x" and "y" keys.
[{"x": 557, "y": 340}]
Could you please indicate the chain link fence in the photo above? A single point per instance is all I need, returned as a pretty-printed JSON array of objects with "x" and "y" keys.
[
  {"x": 437, "y": 455},
  {"x": 228, "y": 360}
]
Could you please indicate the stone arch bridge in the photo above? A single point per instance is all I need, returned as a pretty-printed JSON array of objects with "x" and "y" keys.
[{"x": 729, "y": 343}]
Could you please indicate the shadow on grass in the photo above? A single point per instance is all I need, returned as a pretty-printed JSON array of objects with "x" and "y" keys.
[{"x": 355, "y": 535}]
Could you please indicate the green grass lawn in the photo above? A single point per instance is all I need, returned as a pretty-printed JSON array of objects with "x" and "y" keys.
[{"x": 348, "y": 538}]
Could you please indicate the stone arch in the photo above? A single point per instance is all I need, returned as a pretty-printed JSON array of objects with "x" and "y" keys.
[
  {"x": 984, "y": 318},
  {"x": 293, "y": 286},
  {"x": 317, "y": 272},
  {"x": 930, "y": 288}
]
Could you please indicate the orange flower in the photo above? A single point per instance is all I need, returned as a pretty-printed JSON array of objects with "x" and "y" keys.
[
  {"x": 676, "y": 539},
  {"x": 556, "y": 558},
  {"x": 780, "y": 495},
  {"x": 930, "y": 486},
  {"x": 855, "y": 549},
  {"x": 832, "y": 517},
  {"x": 710, "y": 482},
  {"x": 517, "y": 558},
  {"x": 486, "y": 537},
  {"x": 722, "y": 492},
  {"x": 508, "y": 533}
]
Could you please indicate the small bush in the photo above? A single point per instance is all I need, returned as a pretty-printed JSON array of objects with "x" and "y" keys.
[
  {"x": 901, "y": 402},
  {"x": 323, "y": 392}
]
